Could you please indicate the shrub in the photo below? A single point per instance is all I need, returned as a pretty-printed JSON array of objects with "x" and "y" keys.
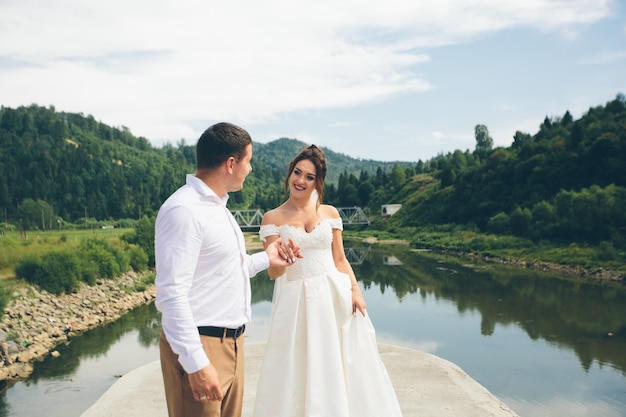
[
  {"x": 138, "y": 258},
  {"x": 606, "y": 252},
  {"x": 143, "y": 236},
  {"x": 29, "y": 268},
  {"x": 100, "y": 254},
  {"x": 122, "y": 257},
  {"x": 89, "y": 272},
  {"x": 55, "y": 272},
  {"x": 146, "y": 280},
  {"x": 499, "y": 223}
]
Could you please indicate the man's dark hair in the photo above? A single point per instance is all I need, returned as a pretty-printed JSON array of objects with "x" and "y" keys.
[{"x": 219, "y": 142}]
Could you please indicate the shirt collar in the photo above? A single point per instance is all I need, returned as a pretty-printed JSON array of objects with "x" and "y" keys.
[{"x": 203, "y": 189}]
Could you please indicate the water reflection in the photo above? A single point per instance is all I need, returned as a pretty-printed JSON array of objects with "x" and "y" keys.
[
  {"x": 587, "y": 317},
  {"x": 97, "y": 342}
]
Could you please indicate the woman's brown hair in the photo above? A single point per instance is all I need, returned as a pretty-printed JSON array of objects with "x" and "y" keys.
[{"x": 318, "y": 159}]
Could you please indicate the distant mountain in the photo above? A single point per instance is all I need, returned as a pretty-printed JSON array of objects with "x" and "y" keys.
[{"x": 280, "y": 152}]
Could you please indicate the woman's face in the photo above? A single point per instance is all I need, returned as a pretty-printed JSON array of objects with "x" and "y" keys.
[{"x": 302, "y": 180}]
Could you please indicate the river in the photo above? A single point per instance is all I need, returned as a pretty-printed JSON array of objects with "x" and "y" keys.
[{"x": 546, "y": 345}]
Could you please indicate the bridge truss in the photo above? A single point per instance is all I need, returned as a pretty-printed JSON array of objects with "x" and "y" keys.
[
  {"x": 353, "y": 215},
  {"x": 248, "y": 218},
  {"x": 252, "y": 218}
]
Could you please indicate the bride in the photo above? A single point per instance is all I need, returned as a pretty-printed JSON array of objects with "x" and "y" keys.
[{"x": 321, "y": 358}]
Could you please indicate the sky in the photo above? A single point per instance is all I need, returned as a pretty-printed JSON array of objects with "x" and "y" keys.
[{"x": 393, "y": 80}]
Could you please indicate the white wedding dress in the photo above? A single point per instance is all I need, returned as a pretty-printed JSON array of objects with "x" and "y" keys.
[{"x": 321, "y": 360}]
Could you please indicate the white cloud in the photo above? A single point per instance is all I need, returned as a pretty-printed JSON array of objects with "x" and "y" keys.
[{"x": 162, "y": 68}]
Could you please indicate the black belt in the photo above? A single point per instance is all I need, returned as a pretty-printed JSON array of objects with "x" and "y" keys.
[{"x": 221, "y": 331}]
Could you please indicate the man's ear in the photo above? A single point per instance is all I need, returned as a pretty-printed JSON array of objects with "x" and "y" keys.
[{"x": 230, "y": 164}]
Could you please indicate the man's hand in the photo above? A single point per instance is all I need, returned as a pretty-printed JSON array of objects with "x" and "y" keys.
[{"x": 205, "y": 384}]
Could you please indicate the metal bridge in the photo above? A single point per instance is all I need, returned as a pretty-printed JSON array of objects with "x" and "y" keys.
[
  {"x": 248, "y": 218},
  {"x": 252, "y": 218},
  {"x": 353, "y": 215}
]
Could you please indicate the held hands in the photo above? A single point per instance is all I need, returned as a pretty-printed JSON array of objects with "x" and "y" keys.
[{"x": 283, "y": 253}]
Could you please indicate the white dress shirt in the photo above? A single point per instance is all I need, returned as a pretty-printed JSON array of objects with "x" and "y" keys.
[{"x": 202, "y": 269}]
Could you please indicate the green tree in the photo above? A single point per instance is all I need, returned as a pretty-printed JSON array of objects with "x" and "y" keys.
[
  {"x": 543, "y": 219},
  {"x": 520, "y": 221},
  {"x": 448, "y": 175},
  {"x": 350, "y": 196},
  {"x": 484, "y": 142},
  {"x": 397, "y": 176},
  {"x": 34, "y": 214},
  {"x": 499, "y": 224},
  {"x": 520, "y": 139},
  {"x": 143, "y": 236},
  {"x": 364, "y": 192}
]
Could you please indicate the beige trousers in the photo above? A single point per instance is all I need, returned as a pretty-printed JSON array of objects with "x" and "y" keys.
[{"x": 226, "y": 355}]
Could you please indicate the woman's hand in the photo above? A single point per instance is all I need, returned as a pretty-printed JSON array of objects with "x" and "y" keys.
[
  {"x": 358, "y": 302},
  {"x": 289, "y": 251}
]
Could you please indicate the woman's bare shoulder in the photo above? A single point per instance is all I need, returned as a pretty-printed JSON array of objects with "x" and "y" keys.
[
  {"x": 328, "y": 212},
  {"x": 273, "y": 216}
]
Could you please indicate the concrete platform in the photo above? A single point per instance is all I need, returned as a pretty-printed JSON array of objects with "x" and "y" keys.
[{"x": 426, "y": 385}]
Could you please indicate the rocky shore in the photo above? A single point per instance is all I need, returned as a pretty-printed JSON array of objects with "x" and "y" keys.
[{"x": 35, "y": 321}]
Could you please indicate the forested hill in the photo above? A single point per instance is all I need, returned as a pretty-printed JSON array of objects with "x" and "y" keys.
[
  {"x": 565, "y": 183},
  {"x": 62, "y": 167},
  {"x": 70, "y": 167}
]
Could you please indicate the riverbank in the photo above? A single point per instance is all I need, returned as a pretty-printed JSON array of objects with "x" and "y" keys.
[
  {"x": 35, "y": 321},
  {"x": 597, "y": 273}
]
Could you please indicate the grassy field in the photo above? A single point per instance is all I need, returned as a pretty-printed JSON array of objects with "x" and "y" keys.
[{"x": 14, "y": 246}]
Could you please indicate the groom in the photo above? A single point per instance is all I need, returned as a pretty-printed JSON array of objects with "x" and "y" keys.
[{"x": 203, "y": 280}]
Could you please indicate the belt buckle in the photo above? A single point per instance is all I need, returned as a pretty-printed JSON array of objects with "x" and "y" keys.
[{"x": 239, "y": 331}]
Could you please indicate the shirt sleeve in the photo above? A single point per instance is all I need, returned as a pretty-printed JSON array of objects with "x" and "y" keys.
[
  {"x": 257, "y": 262},
  {"x": 177, "y": 245}
]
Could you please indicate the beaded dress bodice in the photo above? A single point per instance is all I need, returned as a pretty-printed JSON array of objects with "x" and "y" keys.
[{"x": 315, "y": 247}]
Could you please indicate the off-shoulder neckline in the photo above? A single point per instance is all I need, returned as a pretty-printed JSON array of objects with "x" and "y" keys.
[{"x": 302, "y": 229}]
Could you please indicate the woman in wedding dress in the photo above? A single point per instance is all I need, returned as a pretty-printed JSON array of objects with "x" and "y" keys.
[{"x": 321, "y": 358}]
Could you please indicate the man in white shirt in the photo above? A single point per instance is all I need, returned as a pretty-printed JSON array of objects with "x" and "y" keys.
[{"x": 203, "y": 280}]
